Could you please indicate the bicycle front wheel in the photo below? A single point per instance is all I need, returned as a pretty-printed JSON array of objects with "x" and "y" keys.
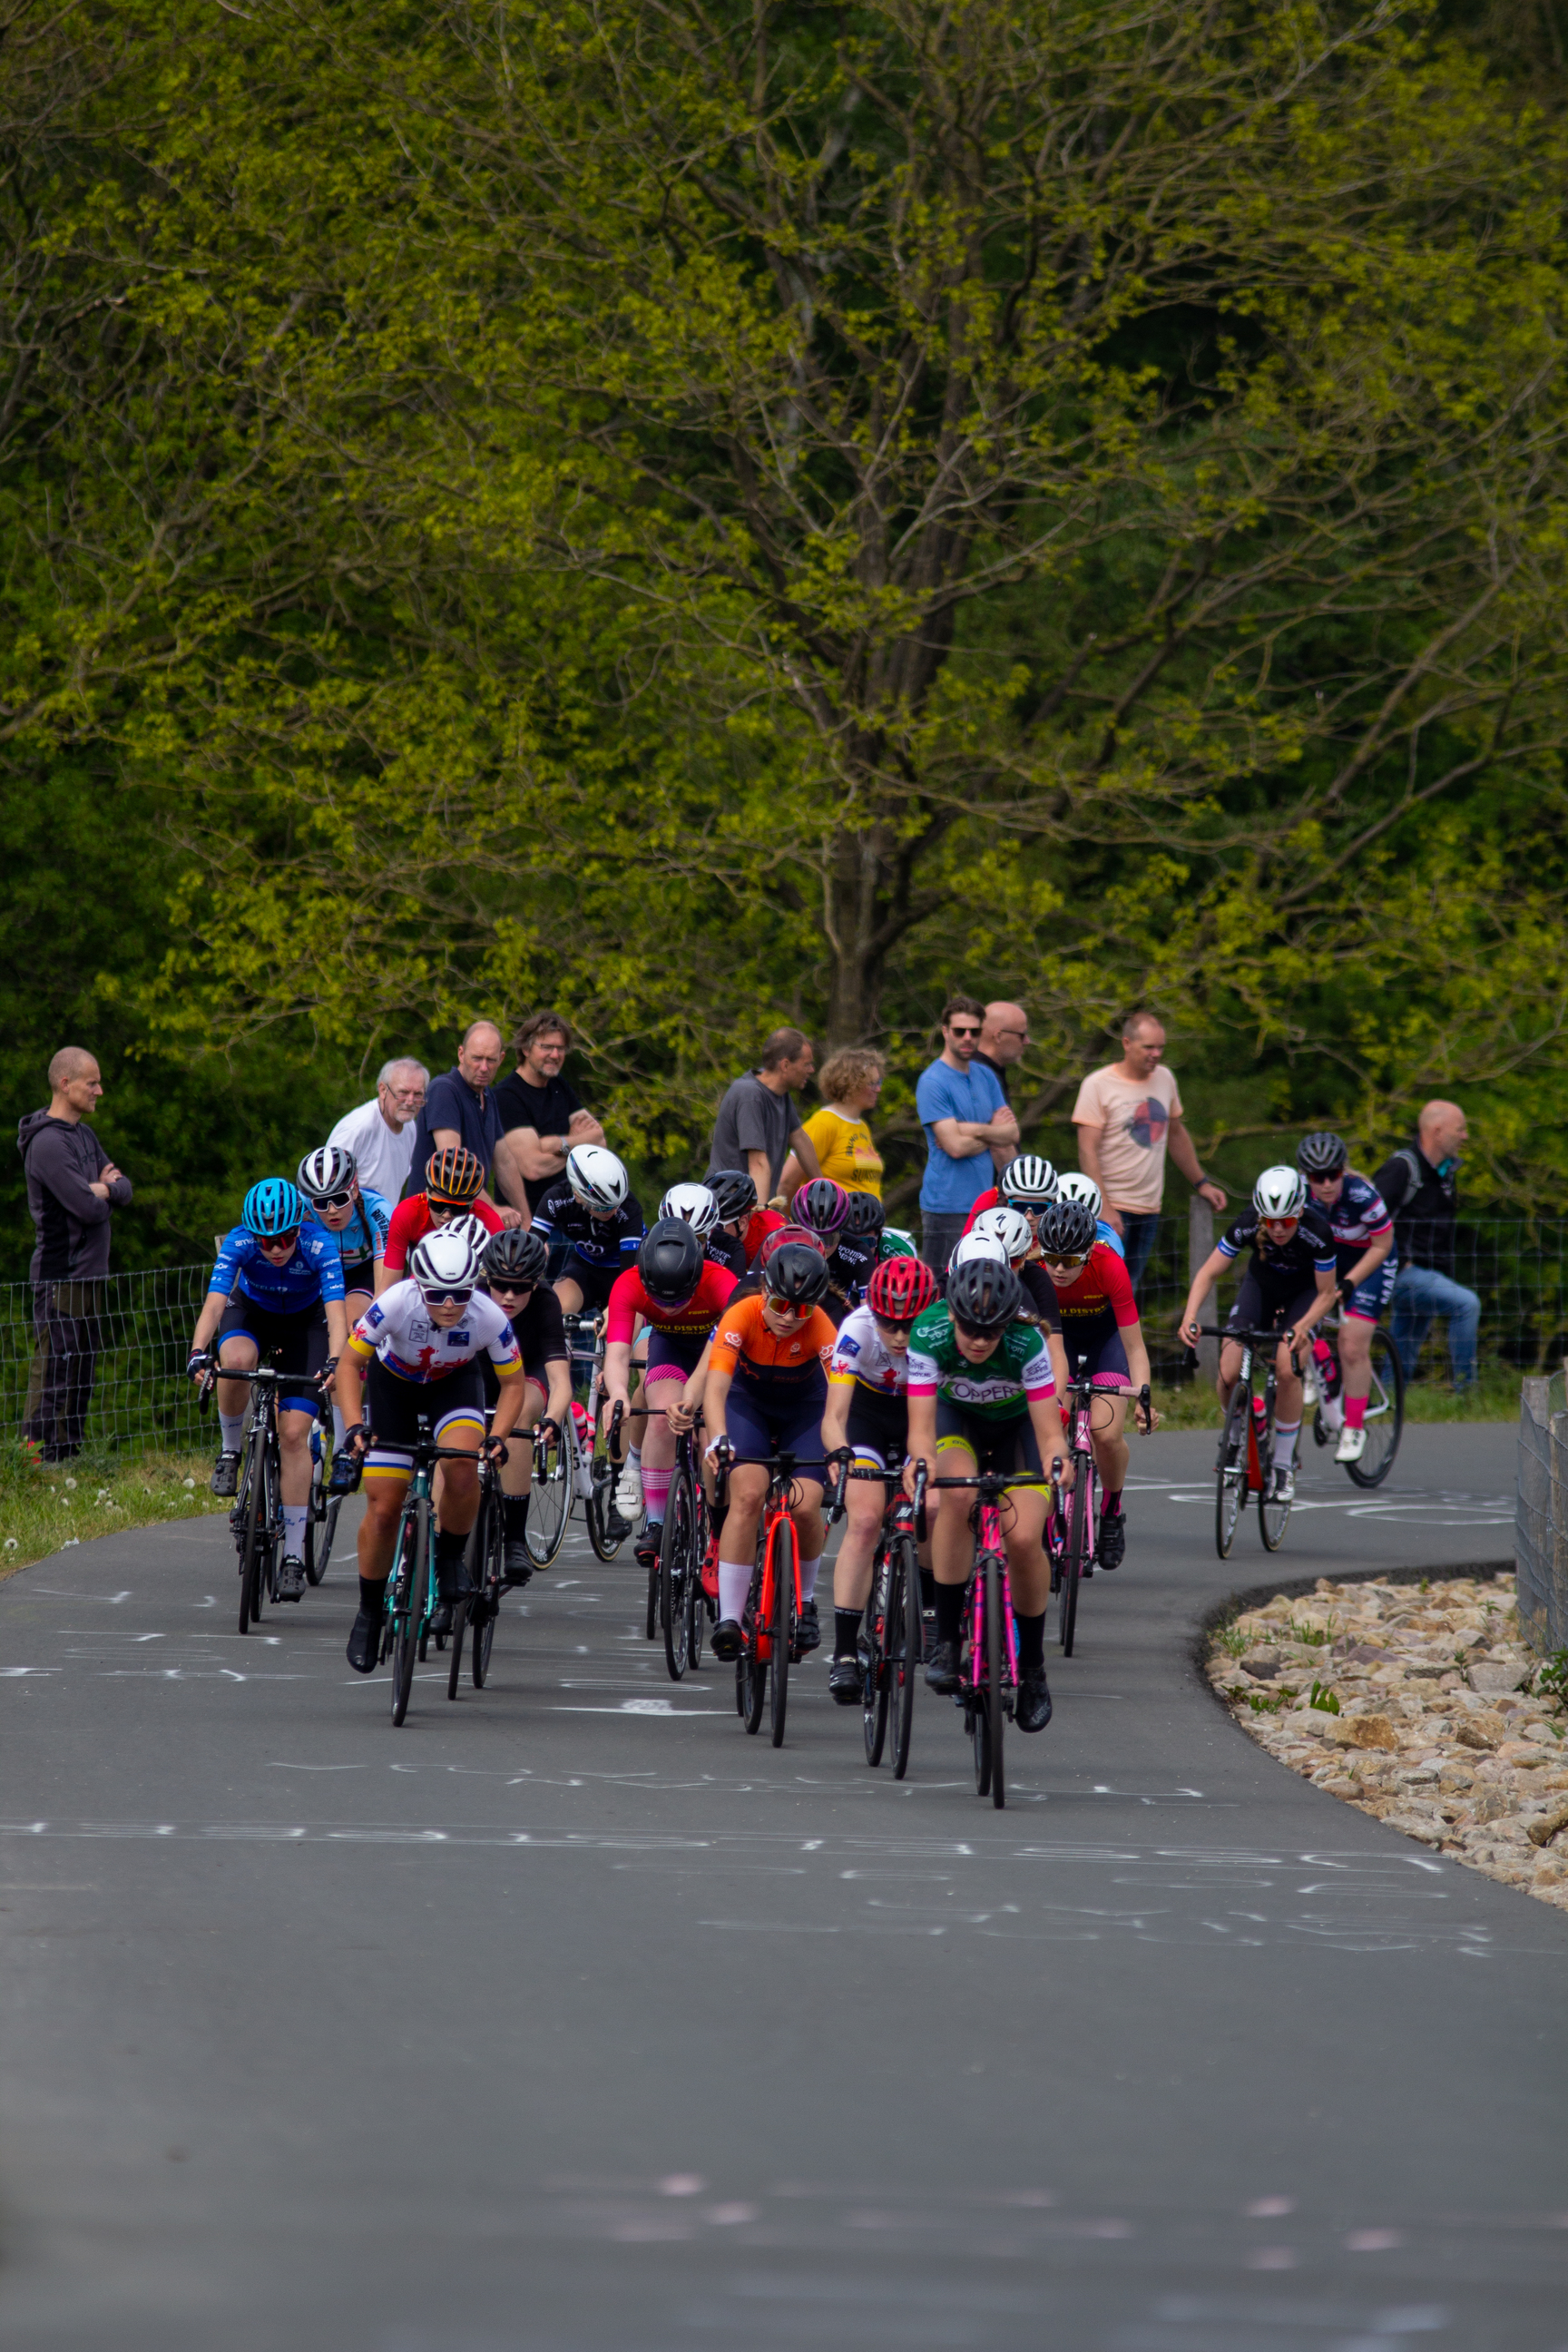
[
  {"x": 408, "y": 1601},
  {"x": 491, "y": 1567},
  {"x": 903, "y": 1648},
  {"x": 1073, "y": 1560},
  {"x": 783, "y": 1575},
  {"x": 874, "y": 1691},
  {"x": 995, "y": 1660},
  {"x": 1384, "y": 1422},
  {"x": 677, "y": 1570},
  {"x": 257, "y": 1534},
  {"x": 696, "y": 1601},
  {"x": 1230, "y": 1491},
  {"x": 550, "y": 1501},
  {"x": 1273, "y": 1517}
]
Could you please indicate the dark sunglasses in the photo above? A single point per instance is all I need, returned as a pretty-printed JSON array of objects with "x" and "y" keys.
[
  {"x": 279, "y": 1241},
  {"x": 446, "y": 1297},
  {"x": 968, "y": 1331},
  {"x": 894, "y": 1322},
  {"x": 511, "y": 1290},
  {"x": 1068, "y": 1265},
  {"x": 965, "y": 1031}
]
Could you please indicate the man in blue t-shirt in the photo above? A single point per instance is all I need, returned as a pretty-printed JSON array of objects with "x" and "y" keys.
[{"x": 970, "y": 1132}]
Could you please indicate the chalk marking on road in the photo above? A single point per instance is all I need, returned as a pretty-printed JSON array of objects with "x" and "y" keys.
[{"x": 644, "y": 1707}]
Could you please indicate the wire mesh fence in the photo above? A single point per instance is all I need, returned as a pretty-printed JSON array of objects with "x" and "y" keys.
[
  {"x": 100, "y": 1366},
  {"x": 1540, "y": 1514}
]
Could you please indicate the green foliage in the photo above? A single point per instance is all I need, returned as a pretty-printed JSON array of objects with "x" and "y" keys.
[{"x": 1323, "y": 1699}]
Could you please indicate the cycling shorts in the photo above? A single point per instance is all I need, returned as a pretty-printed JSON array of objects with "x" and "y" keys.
[
  {"x": 393, "y": 1408},
  {"x": 877, "y": 1430},
  {"x": 359, "y": 1276},
  {"x": 757, "y": 1424},
  {"x": 594, "y": 1282},
  {"x": 995, "y": 1444},
  {"x": 1096, "y": 1349},
  {"x": 1369, "y": 1298},
  {"x": 1263, "y": 1305},
  {"x": 674, "y": 1351},
  {"x": 299, "y": 1341},
  {"x": 491, "y": 1379}
]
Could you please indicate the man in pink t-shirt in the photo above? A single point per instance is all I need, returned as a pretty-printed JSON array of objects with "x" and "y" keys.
[{"x": 1127, "y": 1115}]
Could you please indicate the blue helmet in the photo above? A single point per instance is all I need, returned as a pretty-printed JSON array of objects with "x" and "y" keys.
[{"x": 272, "y": 1207}]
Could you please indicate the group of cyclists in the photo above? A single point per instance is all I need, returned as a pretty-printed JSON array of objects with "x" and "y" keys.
[{"x": 811, "y": 1329}]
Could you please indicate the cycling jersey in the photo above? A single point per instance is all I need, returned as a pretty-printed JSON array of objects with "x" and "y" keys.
[
  {"x": 540, "y": 1332},
  {"x": 1040, "y": 1292},
  {"x": 398, "y": 1330},
  {"x": 996, "y": 1199},
  {"x": 1000, "y": 1388},
  {"x": 744, "y": 1347},
  {"x": 739, "y": 1251},
  {"x": 597, "y": 1241},
  {"x": 411, "y": 1221},
  {"x": 1099, "y": 1294},
  {"x": 312, "y": 1274},
  {"x": 851, "y": 1266},
  {"x": 697, "y": 1317},
  {"x": 363, "y": 1238},
  {"x": 1356, "y": 1218},
  {"x": 861, "y": 1357},
  {"x": 1308, "y": 1251}
]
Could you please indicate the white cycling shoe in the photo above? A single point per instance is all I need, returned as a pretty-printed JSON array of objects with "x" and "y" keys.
[
  {"x": 628, "y": 1495},
  {"x": 1351, "y": 1445}
]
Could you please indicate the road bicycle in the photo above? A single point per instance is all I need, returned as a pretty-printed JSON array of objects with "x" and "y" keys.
[
  {"x": 257, "y": 1519},
  {"x": 485, "y": 1561},
  {"x": 682, "y": 1606},
  {"x": 324, "y": 1505},
  {"x": 579, "y": 1466},
  {"x": 988, "y": 1668},
  {"x": 412, "y": 1592},
  {"x": 770, "y": 1624},
  {"x": 891, "y": 1642},
  {"x": 1246, "y": 1444},
  {"x": 1385, "y": 1422},
  {"x": 1073, "y": 1525}
]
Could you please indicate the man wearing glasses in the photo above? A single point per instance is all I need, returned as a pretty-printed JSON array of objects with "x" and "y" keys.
[
  {"x": 1003, "y": 1041},
  {"x": 380, "y": 1133},
  {"x": 970, "y": 1132}
]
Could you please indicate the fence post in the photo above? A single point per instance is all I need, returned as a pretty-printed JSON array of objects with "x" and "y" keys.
[
  {"x": 1536, "y": 1502},
  {"x": 1200, "y": 1245}
]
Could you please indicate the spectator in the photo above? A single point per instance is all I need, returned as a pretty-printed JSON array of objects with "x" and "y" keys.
[
  {"x": 540, "y": 1112},
  {"x": 73, "y": 1187},
  {"x": 1125, "y": 1116},
  {"x": 970, "y": 1132},
  {"x": 758, "y": 1124},
  {"x": 851, "y": 1080},
  {"x": 459, "y": 1108},
  {"x": 380, "y": 1133},
  {"x": 1004, "y": 1040},
  {"x": 1419, "y": 1189}
]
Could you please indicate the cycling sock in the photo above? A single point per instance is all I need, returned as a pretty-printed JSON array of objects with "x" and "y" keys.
[
  {"x": 514, "y": 1516},
  {"x": 734, "y": 1583},
  {"x": 451, "y": 1572},
  {"x": 949, "y": 1613},
  {"x": 633, "y": 1457},
  {"x": 845, "y": 1631},
  {"x": 808, "y": 1568},
  {"x": 372, "y": 1595},
  {"x": 656, "y": 1491},
  {"x": 1110, "y": 1509},
  {"x": 231, "y": 1426},
  {"x": 339, "y": 1425},
  {"x": 1031, "y": 1642},
  {"x": 1355, "y": 1412},
  {"x": 294, "y": 1517},
  {"x": 1285, "y": 1444}
]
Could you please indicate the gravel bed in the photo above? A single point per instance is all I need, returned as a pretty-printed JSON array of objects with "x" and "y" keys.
[{"x": 1440, "y": 1730}]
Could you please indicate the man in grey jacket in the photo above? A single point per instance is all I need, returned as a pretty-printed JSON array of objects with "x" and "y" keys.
[{"x": 73, "y": 1187}]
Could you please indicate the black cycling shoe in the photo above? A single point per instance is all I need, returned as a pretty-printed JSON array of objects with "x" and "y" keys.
[
  {"x": 441, "y": 1618},
  {"x": 942, "y": 1667},
  {"x": 365, "y": 1642},
  {"x": 225, "y": 1475},
  {"x": 725, "y": 1640},
  {"x": 291, "y": 1579},
  {"x": 616, "y": 1527},
  {"x": 646, "y": 1550},
  {"x": 845, "y": 1681},
  {"x": 517, "y": 1565},
  {"x": 807, "y": 1631},
  {"x": 1032, "y": 1702},
  {"x": 347, "y": 1466},
  {"x": 1110, "y": 1548}
]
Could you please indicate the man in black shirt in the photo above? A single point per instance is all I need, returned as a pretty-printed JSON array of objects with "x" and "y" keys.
[
  {"x": 542, "y": 1113},
  {"x": 1418, "y": 1186},
  {"x": 460, "y": 1112},
  {"x": 1003, "y": 1041},
  {"x": 72, "y": 1186}
]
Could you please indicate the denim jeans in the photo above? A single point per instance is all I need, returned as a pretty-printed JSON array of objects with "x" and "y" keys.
[
  {"x": 1140, "y": 1229},
  {"x": 1419, "y": 1293},
  {"x": 940, "y": 1236}
]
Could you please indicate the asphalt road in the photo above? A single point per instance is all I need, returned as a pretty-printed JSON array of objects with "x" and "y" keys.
[{"x": 568, "y": 2017}]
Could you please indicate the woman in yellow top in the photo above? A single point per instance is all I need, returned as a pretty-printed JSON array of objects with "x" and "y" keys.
[{"x": 850, "y": 1082}]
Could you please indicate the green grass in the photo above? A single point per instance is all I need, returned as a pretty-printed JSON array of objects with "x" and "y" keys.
[
  {"x": 45, "y": 1507},
  {"x": 1194, "y": 1404}
]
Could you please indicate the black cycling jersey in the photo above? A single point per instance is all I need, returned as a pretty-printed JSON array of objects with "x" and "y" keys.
[
  {"x": 1309, "y": 1250},
  {"x": 539, "y": 1331},
  {"x": 1039, "y": 1297},
  {"x": 852, "y": 1264},
  {"x": 598, "y": 1241}
]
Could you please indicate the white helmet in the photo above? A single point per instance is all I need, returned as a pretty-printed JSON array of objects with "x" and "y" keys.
[
  {"x": 1279, "y": 1192},
  {"x": 1029, "y": 1181},
  {"x": 596, "y": 1177},
  {"x": 976, "y": 1244},
  {"x": 1074, "y": 1187},
  {"x": 321, "y": 1173},
  {"x": 471, "y": 1229},
  {"x": 694, "y": 1206},
  {"x": 445, "y": 1260},
  {"x": 1011, "y": 1227}
]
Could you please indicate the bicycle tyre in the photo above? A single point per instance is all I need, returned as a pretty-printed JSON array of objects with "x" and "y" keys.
[
  {"x": 489, "y": 1564},
  {"x": 752, "y": 1694},
  {"x": 1230, "y": 1478},
  {"x": 697, "y": 1599},
  {"x": 1273, "y": 1518},
  {"x": 455, "y": 1663},
  {"x": 596, "y": 1508},
  {"x": 1072, "y": 1560},
  {"x": 327, "y": 1537},
  {"x": 675, "y": 1570},
  {"x": 252, "y": 1541},
  {"x": 980, "y": 1731},
  {"x": 874, "y": 1690},
  {"x": 549, "y": 1502},
  {"x": 995, "y": 1658},
  {"x": 784, "y": 1626},
  {"x": 903, "y": 1649},
  {"x": 408, "y": 1601},
  {"x": 316, "y": 1517},
  {"x": 1388, "y": 1374}
]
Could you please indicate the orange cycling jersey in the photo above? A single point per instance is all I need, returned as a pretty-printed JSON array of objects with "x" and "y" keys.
[{"x": 744, "y": 1346}]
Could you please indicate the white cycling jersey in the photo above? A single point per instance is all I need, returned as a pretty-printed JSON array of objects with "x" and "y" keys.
[
  {"x": 397, "y": 1327},
  {"x": 862, "y": 1354}
]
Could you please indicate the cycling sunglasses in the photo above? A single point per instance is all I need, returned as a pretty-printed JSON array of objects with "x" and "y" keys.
[
  {"x": 279, "y": 1241},
  {"x": 511, "y": 1290},
  {"x": 337, "y": 1201},
  {"x": 446, "y": 1297},
  {"x": 968, "y": 1331},
  {"x": 1281, "y": 1224},
  {"x": 789, "y": 1306},
  {"x": 894, "y": 1322},
  {"x": 1068, "y": 1265}
]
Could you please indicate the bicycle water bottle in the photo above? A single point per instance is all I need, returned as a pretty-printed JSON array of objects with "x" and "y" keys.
[{"x": 1328, "y": 1366}]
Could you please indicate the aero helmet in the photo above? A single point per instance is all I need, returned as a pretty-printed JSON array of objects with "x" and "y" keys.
[
  {"x": 670, "y": 1262},
  {"x": 445, "y": 1260},
  {"x": 977, "y": 1244},
  {"x": 597, "y": 1179},
  {"x": 696, "y": 1206},
  {"x": 1279, "y": 1192},
  {"x": 1011, "y": 1227}
]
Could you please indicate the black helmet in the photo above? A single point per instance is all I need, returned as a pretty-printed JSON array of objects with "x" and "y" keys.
[
  {"x": 865, "y": 1219},
  {"x": 517, "y": 1256},
  {"x": 983, "y": 1292},
  {"x": 1067, "y": 1229},
  {"x": 797, "y": 1274},
  {"x": 1322, "y": 1154},
  {"x": 734, "y": 1192},
  {"x": 670, "y": 1261}
]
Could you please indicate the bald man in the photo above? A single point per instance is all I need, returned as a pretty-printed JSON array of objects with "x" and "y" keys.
[
  {"x": 461, "y": 1110},
  {"x": 1420, "y": 1187},
  {"x": 72, "y": 1186},
  {"x": 1003, "y": 1040}
]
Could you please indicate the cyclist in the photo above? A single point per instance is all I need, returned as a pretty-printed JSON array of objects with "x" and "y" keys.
[
  {"x": 277, "y": 1289},
  {"x": 1367, "y": 1263},
  {"x": 897, "y": 1241},
  {"x": 852, "y": 1259},
  {"x": 866, "y": 1422},
  {"x": 678, "y": 1293},
  {"x": 1074, "y": 1187},
  {"x": 696, "y": 1206},
  {"x": 1013, "y": 1231},
  {"x": 454, "y": 1184},
  {"x": 981, "y": 1396},
  {"x": 1290, "y": 1283},
  {"x": 329, "y": 1180},
  {"x": 1027, "y": 1183},
  {"x": 742, "y": 1227},
  {"x": 512, "y": 1267},
  {"x": 1104, "y": 1336},
  {"x": 592, "y": 1208},
  {"x": 421, "y": 1340},
  {"x": 768, "y": 1385}
]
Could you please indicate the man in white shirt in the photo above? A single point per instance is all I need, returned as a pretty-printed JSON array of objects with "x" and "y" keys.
[
  {"x": 1127, "y": 1117},
  {"x": 380, "y": 1134}
]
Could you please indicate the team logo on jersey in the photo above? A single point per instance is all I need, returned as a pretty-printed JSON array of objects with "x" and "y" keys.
[{"x": 848, "y": 1347}]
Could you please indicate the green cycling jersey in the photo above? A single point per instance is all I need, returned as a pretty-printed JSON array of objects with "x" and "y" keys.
[{"x": 1017, "y": 1369}]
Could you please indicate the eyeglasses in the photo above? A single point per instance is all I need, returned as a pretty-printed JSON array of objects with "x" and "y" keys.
[
  {"x": 279, "y": 1240},
  {"x": 336, "y": 1200},
  {"x": 445, "y": 1297},
  {"x": 1068, "y": 1265},
  {"x": 969, "y": 1029},
  {"x": 412, "y": 1098}
]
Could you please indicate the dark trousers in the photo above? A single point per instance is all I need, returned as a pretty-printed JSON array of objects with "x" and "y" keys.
[
  {"x": 59, "y": 1382},
  {"x": 1140, "y": 1229},
  {"x": 940, "y": 1236}
]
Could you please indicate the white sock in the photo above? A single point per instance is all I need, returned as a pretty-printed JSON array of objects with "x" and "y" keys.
[
  {"x": 1284, "y": 1444},
  {"x": 232, "y": 1426},
  {"x": 734, "y": 1583},
  {"x": 339, "y": 1425},
  {"x": 294, "y": 1515},
  {"x": 808, "y": 1568},
  {"x": 633, "y": 1457}
]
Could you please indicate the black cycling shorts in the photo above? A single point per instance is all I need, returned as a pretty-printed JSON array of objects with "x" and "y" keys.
[
  {"x": 1095, "y": 1345},
  {"x": 594, "y": 1282},
  {"x": 394, "y": 1407},
  {"x": 297, "y": 1341},
  {"x": 879, "y": 1428},
  {"x": 995, "y": 1444},
  {"x": 1265, "y": 1306},
  {"x": 361, "y": 1275}
]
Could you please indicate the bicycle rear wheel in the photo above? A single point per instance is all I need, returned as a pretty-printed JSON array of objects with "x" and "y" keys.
[
  {"x": 1384, "y": 1414},
  {"x": 256, "y": 1538},
  {"x": 874, "y": 1691},
  {"x": 550, "y": 1501},
  {"x": 1230, "y": 1493},
  {"x": 1072, "y": 1560},
  {"x": 408, "y": 1601},
  {"x": 455, "y": 1663},
  {"x": 490, "y": 1567},
  {"x": 783, "y": 1575},
  {"x": 1272, "y": 1517},
  {"x": 751, "y": 1671},
  {"x": 597, "y": 1507},
  {"x": 696, "y": 1601},
  {"x": 677, "y": 1570},
  {"x": 903, "y": 1648},
  {"x": 995, "y": 1659}
]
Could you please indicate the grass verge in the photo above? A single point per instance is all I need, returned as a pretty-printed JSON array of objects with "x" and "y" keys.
[
  {"x": 47, "y": 1507},
  {"x": 1193, "y": 1404}
]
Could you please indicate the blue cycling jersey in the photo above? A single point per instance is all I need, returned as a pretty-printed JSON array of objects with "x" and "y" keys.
[
  {"x": 314, "y": 1273},
  {"x": 364, "y": 1235},
  {"x": 1110, "y": 1236}
]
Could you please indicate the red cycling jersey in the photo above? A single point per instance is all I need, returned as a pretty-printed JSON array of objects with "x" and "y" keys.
[
  {"x": 411, "y": 1221},
  {"x": 628, "y": 1299},
  {"x": 990, "y": 1199},
  {"x": 1100, "y": 1288}
]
